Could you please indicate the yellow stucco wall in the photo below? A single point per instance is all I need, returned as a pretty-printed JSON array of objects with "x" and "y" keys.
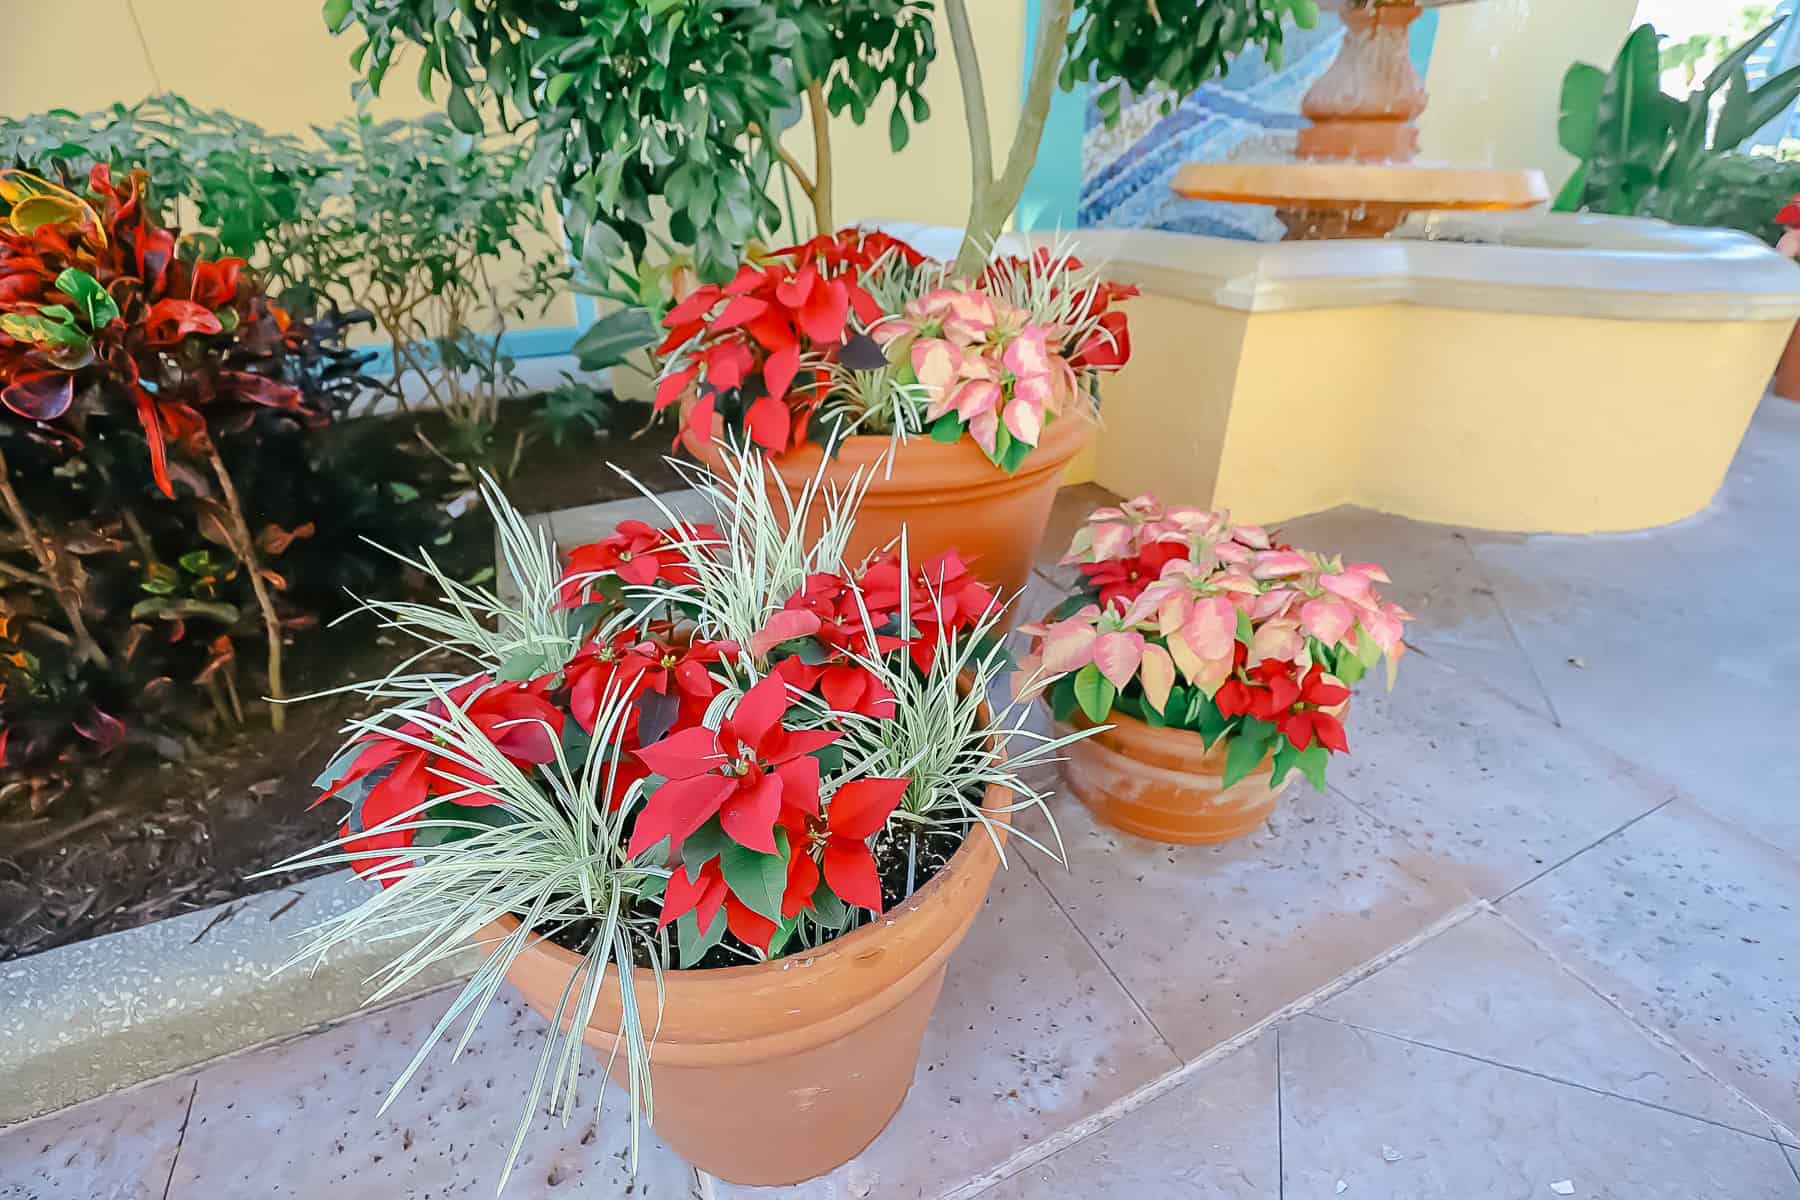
[
  {"x": 1496, "y": 78},
  {"x": 1498, "y": 420}
]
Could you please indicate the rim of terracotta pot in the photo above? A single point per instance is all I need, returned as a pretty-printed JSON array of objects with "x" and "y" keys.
[
  {"x": 1162, "y": 746},
  {"x": 929, "y": 466},
  {"x": 861, "y": 968}
]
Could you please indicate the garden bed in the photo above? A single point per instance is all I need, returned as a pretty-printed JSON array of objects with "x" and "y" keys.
[{"x": 137, "y": 839}]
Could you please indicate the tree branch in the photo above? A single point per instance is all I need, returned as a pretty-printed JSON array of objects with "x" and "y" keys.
[
  {"x": 994, "y": 203},
  {"x": 246, "y": 551},
  {"x": 67, "y": 597},
  {"x": 821, "y": 131},
  {"x": 975, "y": 110}
]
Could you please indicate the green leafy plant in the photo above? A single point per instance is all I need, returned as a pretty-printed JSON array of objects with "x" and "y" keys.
[
  {"x": 684, "y": 100},
  {"x": 1646, "y": 153},
  {"x": 259, "y": 194},
  {"x": 573, "y": 411},
  {"x": 432, "y": 211},
  {"x": 681, "y": 100}
]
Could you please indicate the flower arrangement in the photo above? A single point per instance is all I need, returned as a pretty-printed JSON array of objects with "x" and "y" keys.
[
  {"x": 683, "y": 747},
  {"x": 1184, "y": 620},
  {"x": 858, "y": 332}
]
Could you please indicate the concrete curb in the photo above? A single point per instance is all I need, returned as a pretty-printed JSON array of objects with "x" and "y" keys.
[{"x": 84, "y": 1020}]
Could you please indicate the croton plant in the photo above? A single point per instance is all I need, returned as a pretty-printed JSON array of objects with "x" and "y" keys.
[
  {"x": 685, "y": 745},
  {"x": 859, "y": 333},
  {"x": 1184, "y": 620}
]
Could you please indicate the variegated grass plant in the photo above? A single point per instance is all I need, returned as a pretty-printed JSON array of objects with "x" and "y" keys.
[{"x": 519, "y": 820}]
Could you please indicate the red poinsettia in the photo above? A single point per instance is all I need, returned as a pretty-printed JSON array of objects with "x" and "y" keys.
[
  {"x": 743, "y": 773},
  {"x": 515, "y": 717},
  {"x": 637, "y": 553},
  {"x": 944, "y": 598},
  {"x": 855, "y": 813},
  {"x": 755, "y": 332},
  {"x": 1266, "y": 693},
  {"x": 1122, "y": 580},
  {"x": 1303, "y": 725},
  {"x": 704, "y": 893}
]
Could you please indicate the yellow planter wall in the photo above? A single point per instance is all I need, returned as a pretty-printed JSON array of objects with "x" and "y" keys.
[{"x": 1498, "y": 420}]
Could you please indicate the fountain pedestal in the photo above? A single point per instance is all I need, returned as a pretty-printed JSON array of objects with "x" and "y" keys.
[{"x": 1355, "y": 176}]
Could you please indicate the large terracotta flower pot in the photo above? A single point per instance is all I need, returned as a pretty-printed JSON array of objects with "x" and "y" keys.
[
  {"x": 1164, "y": 784},
  {"x": 1787, "y": 371},
  {"x": 774, "y": 1073},
  {"x": 945, "y": 496}
]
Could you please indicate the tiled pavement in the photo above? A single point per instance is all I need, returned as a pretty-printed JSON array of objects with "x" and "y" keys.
[{"x": 1539, "y": 939}]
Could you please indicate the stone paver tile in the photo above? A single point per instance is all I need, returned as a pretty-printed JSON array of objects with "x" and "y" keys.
[
  {"x": 116, "y": 1148},
  {"x": 1437, "y": 578},
  {"x": 1473, "y": 780},
  {"x": 1483, "y": 989},
  {"x": 300, "y": 1119},
  {"x": 1073, "y": 504},
  {"x": 1031, "y": 1034},
  {"x": 1212, "y": 939},
  {"x": 1392, "y": 1119},
  {"x": 1641, "y": 638},
  {"x": 1691, "y": 925},
  {"x": 1215, "y": 1137}
]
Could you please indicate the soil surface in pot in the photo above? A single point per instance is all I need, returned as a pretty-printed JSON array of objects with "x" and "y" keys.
[
  {"x": 136, "y": 838},
  {"x": 896, "y": 862}
]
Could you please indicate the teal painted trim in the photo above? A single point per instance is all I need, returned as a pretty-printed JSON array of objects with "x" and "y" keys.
[
  {"x": 1424, "y": 37},
  {"x": 520, "y": 344},
  {"x": 1052, "y": 197}
]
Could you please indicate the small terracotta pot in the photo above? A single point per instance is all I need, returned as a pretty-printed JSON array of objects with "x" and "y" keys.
[
  {"x": 1787, "y": 371},
  {"x": 1164, "y": 784},
  {"x": 774, "y": 1073},
  {"x": 944, "y": 496}
]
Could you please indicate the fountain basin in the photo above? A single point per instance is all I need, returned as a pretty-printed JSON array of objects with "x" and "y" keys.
[{"x": 1521, "y": 371}]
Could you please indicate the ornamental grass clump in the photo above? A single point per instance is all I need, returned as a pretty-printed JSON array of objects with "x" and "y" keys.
[
  {"x": 1184, "y": 620},
  {"x": 687, "y": 745}
]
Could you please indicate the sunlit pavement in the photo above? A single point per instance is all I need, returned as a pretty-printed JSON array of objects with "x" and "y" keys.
[{"x": 1541, "y": 937}]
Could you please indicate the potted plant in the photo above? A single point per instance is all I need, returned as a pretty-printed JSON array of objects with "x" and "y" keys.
[
  {"x": 1213, "y": 660},
  {"x": 956, "y": 405},
  {"x": 714, "y": 797}
]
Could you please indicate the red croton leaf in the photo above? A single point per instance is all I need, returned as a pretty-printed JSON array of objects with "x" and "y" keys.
[
  {"x": 41, "y": 396},
  {"x": 168, "y": 321}
]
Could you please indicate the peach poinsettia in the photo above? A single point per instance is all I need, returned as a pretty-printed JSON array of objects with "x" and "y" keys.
[
  {"x": 1185, "y": 619},
  {"x": 984, "y": 361}
]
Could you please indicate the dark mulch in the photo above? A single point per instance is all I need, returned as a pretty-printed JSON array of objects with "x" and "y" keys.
[{"x": 139, "y": 839}]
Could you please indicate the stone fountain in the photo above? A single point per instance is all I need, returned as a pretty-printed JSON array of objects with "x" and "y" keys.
[{"x": 1354, "y": 174}]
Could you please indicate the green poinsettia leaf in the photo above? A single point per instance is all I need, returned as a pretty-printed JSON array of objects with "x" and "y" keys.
[
  {"x": 702, "y": 846},
  {"x": 947, "y": 429},
  {"x": 1246, "y": 749},
  {"x": 692, "y": 942},
  {"x": 1094, "y": 692},
  {"x": 756, "y": 879},
  {"x": 1285, "y": 759},
  {"x": 1312, "y": 761}
]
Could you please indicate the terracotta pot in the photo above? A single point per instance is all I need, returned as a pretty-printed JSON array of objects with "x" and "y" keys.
[
  {"x": 1164, "y": 784},
  {"x": 774, "y": 1073},
  {"x": 1787, "y": 371},
  {"x": 944, "y": 496}
]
